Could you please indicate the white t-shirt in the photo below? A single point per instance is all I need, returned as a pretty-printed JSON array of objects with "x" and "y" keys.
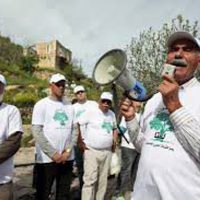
[
  {"x": 166, "y": 170},
  {"x": 124, "y": 142},
  {"x": 100, "y": 128},
  {"x": 80, "y": 109},
  {"x": 10, "y": 122},
  {"x": 57, "y": 119}
]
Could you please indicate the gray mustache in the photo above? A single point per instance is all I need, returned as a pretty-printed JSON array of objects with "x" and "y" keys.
[{"x": 179, "y": 62}]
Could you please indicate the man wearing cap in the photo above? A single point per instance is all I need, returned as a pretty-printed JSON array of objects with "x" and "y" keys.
[
  {"x": 101, "y": 134},
  {"x": 10, "y": 137},
  {"x": 80, "y": 107},
  {"x": 169, "y": 140},
  {"x": 53, "y": 128}
]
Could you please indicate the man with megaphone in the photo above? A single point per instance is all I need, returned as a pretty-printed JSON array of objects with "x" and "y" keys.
[{"x": 169, "y": 133}]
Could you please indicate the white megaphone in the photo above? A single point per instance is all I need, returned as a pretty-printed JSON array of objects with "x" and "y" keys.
[{"x": 111, "y": 68}]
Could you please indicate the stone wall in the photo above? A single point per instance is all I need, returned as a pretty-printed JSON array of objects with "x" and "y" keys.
[{"x": 51, "y": 54}]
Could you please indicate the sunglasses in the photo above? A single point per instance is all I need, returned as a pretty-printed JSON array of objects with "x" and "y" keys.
[
  {"x": 106, "y": 101},
  {"x": 80, "y": 92},
  {"x": 60, "y": 84}
]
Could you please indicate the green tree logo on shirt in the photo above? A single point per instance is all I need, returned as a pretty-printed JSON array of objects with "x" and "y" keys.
[
  {"x": 162, "y": 124},
  {"x": 107, "y": 126},
  {"x": 61, "y": 117},
  {"x": 79, "y": 113}
]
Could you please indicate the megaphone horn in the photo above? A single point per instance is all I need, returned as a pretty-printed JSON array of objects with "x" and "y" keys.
[{"x": 111, "y": 67}]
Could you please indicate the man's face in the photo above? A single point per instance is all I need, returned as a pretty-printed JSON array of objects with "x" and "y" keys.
[
  {"x": 81, "y": 96},
  {"x": 105, "y": 105},
  {"x": 187, "y": 52},
  {"x": 58, "y": 88}
]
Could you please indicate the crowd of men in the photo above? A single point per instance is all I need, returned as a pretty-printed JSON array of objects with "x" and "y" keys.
[{"x": 166, "y": 137}]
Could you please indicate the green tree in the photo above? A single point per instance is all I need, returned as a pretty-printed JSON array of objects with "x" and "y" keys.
[
  {"x": 147, "y": 53},
  {"x": 74, "y": 72},
  {"x": 10, "y": 53},
  {"x": 29, "y": 62}
]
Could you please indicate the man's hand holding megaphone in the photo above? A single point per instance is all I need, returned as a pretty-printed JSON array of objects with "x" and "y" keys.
[
  {"x": 127, "y": 109},
  {"x": 169, "y": 90}
]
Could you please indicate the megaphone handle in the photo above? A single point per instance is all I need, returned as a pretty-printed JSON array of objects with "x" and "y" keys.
[
  {"x": 125, "y": 139},
  {"x": 126, "y": 94},
  {"x": 122, "y": 134}
]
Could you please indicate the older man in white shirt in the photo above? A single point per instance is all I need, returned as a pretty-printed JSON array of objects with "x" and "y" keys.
[
  {"x": 169, "y": 140},
  {"x": 101, "y": 134}
]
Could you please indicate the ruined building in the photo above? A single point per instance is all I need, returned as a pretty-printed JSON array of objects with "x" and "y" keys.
[{"x": 51, "y": 54}]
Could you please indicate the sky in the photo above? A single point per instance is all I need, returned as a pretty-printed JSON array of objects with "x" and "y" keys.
[{"x": 89, "y": 28}]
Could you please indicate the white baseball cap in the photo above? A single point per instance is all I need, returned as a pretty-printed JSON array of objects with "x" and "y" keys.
[
  {"x": 78, "y": 88},
  {"x": 56, "y": 78},
  {"x": 106, "y": 95},
  {"x": 182, "y": 35},
  {"x": 2, "y": 79}
]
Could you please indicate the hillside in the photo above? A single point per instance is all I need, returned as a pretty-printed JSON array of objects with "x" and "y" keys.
[{"x": 27, "y": 83}]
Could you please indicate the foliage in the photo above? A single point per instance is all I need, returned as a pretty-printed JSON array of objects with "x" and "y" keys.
[
  {"x": 23, "y": 89},
  {"x": 25, "y": 98},
  {"x": 22, "y": 97},
  {"x": 147, "y": 53},
  {"x": 93, "y": 91},
  {"x": 28, "y": 63},
  {"x": 15, "y": 76},
  {"x": 73, "y": 72},
  {"x": 10, "y": 52},
  {"x": 75, "y": 75}
]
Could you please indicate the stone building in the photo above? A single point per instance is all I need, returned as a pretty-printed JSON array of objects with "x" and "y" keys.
[{"x": 51, "y": 54}]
